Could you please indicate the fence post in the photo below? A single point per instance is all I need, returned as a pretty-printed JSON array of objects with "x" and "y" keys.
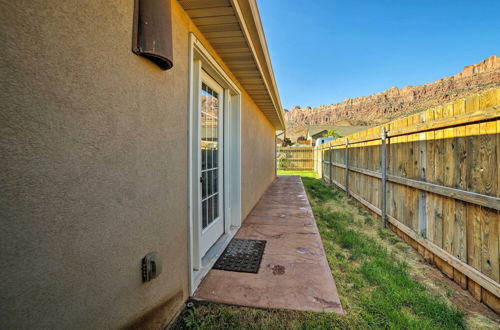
[
  {"x": 322, "y": 162},
  {"x": 314, "y": 159},
  {"x": 347, "y": 166},
  {"x": 383, "y": 169},
  {"x": 331, "y": 180}
]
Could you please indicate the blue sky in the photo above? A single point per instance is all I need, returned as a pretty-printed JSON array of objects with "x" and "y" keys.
[{"x": 324, "y": 51}]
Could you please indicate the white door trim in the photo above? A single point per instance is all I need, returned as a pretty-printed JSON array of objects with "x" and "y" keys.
[{"x": 200, "y": 59}]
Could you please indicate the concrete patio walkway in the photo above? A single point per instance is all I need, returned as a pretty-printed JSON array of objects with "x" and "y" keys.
[{"x": 294, "y": 273}]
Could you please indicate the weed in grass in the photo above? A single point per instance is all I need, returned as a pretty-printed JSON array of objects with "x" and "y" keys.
[
  {"x": 369, "y": 220},
  {"x": 387, "y": 235},
  {"x": 393, "y": 239},
  {"x": 401, "y": 246},
  {"x": 449, "y": 292}
]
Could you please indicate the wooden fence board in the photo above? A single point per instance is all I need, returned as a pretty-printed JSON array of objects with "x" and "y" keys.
[
  {"x": 430, "y": 177},
  {"x": 459, "y": 240},
  {"x": 413, "y": 167},
  {"x": 488, "y": 99},
  {"x": 448, "y": 181},
  {"x": 422, "y": 195},
  {"x": 438, "y": 179},
  {"x": 396, "y": 170},
  {"x": 472, "y": 103},
  {"x": 488, "y": 159},
  {"x": 488, "y": 185}
]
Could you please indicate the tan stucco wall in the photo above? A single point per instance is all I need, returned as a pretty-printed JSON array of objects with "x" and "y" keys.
[
  {"x": 94, "y": 166},
  {"x": 257, "y": 155}
]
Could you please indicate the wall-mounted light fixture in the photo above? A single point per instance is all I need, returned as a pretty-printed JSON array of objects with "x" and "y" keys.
[
  {"x": 152, "y": 32},
  {"x": 151, "y": 266}
]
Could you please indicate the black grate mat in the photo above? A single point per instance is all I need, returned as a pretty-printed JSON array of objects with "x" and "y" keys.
[{"x": 242, "y": 255}]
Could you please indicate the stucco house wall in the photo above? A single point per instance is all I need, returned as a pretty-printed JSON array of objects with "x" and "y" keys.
[
  {"x": 257, "y": 155},
  {"x": 95, "y": 166}
]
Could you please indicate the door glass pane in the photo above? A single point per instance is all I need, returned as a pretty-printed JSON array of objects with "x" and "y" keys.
[
  {"x": 216, "y": 203},
  {"x": 215, "y": 181},
  {"x": 204, "y": 187},
  {"x": 209, "y": 183},
  {"x": 210, "y": 154},
  {"x": 210, "y": 207},
  {"x": 204, "y": 213},
  {"x": 204, "y": 99}
]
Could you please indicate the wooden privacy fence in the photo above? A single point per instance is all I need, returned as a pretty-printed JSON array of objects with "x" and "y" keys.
[
  {"x": 433, "y": 177},
  {"x": 295, "y": 158}
]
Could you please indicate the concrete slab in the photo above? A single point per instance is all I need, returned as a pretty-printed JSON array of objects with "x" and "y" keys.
[{"x": 294, "y": 273}]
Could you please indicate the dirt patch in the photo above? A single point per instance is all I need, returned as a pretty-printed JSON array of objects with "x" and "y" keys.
[{"x": 478, "y": 316}]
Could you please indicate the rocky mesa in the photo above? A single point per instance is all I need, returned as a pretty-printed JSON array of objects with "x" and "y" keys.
[{"x": 396, "y": 102}]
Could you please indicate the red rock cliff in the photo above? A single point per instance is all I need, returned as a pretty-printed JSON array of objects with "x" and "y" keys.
[{"x": 395, "y": 102}]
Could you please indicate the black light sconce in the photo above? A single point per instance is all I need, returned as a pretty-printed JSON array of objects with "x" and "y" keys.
[{"x": 152, "y": 32}]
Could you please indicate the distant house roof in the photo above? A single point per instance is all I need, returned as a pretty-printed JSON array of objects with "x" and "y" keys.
[
  {"x": 315, "y": 131},
  {"x": 322, "y": 140}
]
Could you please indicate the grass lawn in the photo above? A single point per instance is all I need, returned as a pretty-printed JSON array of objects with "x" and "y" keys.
[
  {"x": 371, "y": 267},
  {"x": 304, "y": 174}
]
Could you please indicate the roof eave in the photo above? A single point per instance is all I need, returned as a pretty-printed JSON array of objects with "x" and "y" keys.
[
  {"x": 234, "y": 29},
  {"x": 262, "y": 53}
]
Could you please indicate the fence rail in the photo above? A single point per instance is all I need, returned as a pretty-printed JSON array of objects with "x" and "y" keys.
[
  {"x": 434, "y": 178},
  {"x": 295, "y": 158}
]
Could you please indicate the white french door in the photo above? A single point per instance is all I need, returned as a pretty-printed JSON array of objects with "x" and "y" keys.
[
  {"x": 210, "y": 167},
  {"x": 214, "y": 161}
]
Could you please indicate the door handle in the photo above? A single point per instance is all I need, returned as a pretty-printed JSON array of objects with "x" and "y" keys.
[{"x": 202, "y": 180}]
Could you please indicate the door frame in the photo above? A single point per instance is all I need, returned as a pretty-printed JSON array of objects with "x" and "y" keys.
[{"x": 200, "y": 60}]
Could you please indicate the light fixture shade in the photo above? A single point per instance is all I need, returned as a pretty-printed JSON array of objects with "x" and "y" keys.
[{"x": 152, "y": 32}]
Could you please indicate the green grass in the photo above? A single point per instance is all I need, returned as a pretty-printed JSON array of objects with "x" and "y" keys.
[
  {"x": 374, "y": 284},
  {"x": 306, "y": 174}
]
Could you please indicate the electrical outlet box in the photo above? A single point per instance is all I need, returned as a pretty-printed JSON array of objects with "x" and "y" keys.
[{"x": 151, "y": 266}]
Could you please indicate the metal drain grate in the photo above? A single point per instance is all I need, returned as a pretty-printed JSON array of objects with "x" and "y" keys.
[{"x": 242, "y": 255}]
